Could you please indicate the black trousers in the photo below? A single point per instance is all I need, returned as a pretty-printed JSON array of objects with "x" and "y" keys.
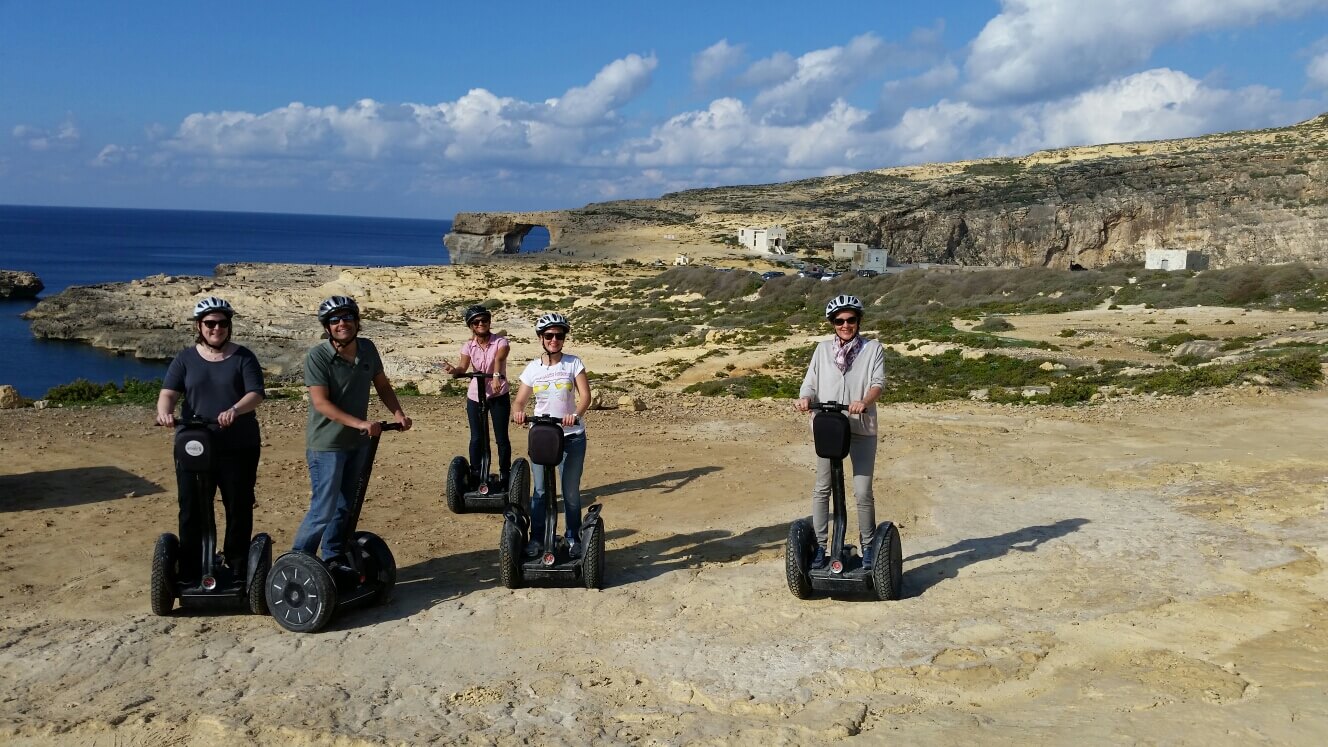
[
  {"x": 234, "y": 471},
  {"x": 500, "y": 410}
]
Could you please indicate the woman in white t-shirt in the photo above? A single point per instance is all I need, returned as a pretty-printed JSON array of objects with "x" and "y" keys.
[{"x": 558, "y": 381}]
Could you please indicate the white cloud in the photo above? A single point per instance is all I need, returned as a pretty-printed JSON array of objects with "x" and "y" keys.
[
  {"x": 1152, "y": 105},
  {"x": 619, "y": 82},
  {"x": 821, "y": 77},
  {"x": 1317, "y": 71},
  {"x": 112, "y": 155},
  {"x": 1038, "y": 49},
  {"x": 63, "y": 137},
  {"x": 715, "y": 61}
]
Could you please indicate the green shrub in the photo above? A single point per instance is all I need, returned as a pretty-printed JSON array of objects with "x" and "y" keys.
[
  {"x": 994, "y": 324},
  {"x": 83, "y": 392},
  {"x": 1066, "y": 333}
]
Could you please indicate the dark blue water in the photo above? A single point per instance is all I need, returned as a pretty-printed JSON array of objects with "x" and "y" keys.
[{"x": 83, "y": 246}]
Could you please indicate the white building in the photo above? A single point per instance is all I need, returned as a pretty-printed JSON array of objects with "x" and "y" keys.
[
  {"x": 771, "y": 239},
  {"x": 861, "y": 256},
  {"x": 1174, "y": 259}
]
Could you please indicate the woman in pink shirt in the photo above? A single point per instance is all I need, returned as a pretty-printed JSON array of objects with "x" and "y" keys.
[{"x": 486, "y": 352}]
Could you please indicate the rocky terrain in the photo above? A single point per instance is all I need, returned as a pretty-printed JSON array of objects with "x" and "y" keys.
[
  {"x": 19, "y": 284},
  {"x": 1241, "y": 197},
  {"x": 1143, "y": 571}
]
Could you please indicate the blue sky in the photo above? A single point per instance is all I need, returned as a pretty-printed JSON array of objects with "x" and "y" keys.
[{"x": 426, "y": 109}]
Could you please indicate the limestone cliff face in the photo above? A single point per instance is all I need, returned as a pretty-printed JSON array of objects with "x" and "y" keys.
[{"x": 1239, "y": 197}]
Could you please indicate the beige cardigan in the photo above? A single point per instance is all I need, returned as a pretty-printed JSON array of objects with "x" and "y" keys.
[{"x": 824, "y": 382}]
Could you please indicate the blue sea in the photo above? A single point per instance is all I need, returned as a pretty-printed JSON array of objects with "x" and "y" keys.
[{"x": 82, "y": 246}]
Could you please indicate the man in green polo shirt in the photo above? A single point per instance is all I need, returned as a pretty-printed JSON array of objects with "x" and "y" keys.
[{"x": 338, "y": 373}]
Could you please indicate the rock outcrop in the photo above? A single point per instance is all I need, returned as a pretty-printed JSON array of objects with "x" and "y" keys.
[
  {"x": 19, "y": 284},
  {"x": 479, "y": 235},
  {"x": 1242, "y": 197}
]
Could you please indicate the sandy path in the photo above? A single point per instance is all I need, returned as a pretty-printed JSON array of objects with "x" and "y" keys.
[{"x": 1142, "y": 570}]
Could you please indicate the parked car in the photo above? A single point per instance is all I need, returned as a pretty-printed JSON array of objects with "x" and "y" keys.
[
  {"x": 809, "y": 274},
  {"x": 868, "y": 273},
  {"x": 771, "y": 275},
  {"x": 827, "y": 277}
]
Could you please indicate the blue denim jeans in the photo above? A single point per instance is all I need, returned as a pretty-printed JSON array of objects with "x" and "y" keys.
[
  {"x": 574, "y": 460},
  {"x": 332, "y": 475}
]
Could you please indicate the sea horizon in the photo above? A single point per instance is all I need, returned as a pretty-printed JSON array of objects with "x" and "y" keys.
[{"x": 68, "y": 246}]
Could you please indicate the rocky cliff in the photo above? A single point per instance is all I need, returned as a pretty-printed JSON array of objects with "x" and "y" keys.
[{"x": 1257, "y": 196}]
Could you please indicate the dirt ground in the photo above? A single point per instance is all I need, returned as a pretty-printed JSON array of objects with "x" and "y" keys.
[{"x": 1144, "y": 570}]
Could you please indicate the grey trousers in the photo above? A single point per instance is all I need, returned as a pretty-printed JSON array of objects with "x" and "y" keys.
[{"x": 862, "y": 455}]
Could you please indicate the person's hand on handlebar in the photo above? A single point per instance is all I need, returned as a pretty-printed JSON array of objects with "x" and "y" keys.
[
  {"x": 166, "y": 418},
  {"x": 370, "y": 428},
  {"x": 857, "y": 407},
  {"x": 569, "y": 420},
  {"x": 519, "y": 417},
  {"x": 402, "y": 420},
  {"x": 802, "y": 404},
  {"x": 226, "y": 417}
]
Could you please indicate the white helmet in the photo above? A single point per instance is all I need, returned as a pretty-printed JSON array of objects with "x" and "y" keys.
[
  {"x": 841, "y": 302},
  {"x": 212, "y": 304},
  {"x": 334, "y": 303},
  {"x": 552, "y": 320}
]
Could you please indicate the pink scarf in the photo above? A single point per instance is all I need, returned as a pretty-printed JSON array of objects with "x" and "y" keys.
[{"x": 847, "y": 353}]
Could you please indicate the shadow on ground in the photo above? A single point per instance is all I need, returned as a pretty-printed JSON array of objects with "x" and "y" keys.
[
  {"x": 62, "y": 488},
  {"x": 668, "y": 482},
  {"x": 951, "y": 559}
]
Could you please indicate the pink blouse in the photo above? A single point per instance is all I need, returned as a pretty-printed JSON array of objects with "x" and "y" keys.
[{"x": 485, "y": 360}]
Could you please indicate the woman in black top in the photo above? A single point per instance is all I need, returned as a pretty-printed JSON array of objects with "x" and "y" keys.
[{"x": 220, "y": 381}]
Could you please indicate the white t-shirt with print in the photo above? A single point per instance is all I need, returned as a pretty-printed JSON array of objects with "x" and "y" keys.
[{"x": 555, "y": 387}]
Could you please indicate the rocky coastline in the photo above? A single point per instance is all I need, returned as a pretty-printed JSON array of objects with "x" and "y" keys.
[{"x": 19, "y": 284}]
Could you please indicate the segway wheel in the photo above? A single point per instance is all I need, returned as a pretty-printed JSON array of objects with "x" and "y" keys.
[
  {"x": 262, "y": 548},
  {"x": 592, "y": 568},
  {"x": 301, "y": 593},
  {"x": 163, "y": 573},
  {"x": 378, "y": 564},
  {"x": 458, "y": 481},
  {"x": 518, "y": 485},
  {"x": 798, "y": 551},
  {"x": 509, "y": 555},
  {"x": 888, "y": 572}
]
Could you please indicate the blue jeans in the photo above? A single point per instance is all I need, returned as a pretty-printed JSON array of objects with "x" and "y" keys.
[
  {"x": 574, "y": 459},
  {"x": 332, "y": 475}
]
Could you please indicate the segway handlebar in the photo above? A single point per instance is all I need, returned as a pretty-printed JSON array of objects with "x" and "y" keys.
[
  {"x": 480, "y": 375},
  {"x": 548, "y": 420},
  {"x": 828, "y": 407},
  {"x": 392, "y": 426},
  {"x": 195, "y": 422}
]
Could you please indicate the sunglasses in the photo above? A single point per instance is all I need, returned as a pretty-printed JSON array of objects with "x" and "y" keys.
[
  {"x": 348, "y": 318},
  {"x": 214, "y": 323},
  {"x": 480, "y": 320},
  {"x": 840, "y": 321},
  {"x": 555, "y": 336}
]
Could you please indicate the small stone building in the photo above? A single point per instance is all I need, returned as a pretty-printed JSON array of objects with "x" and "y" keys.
[
  {"x": 862, "y": 256},
  {"x": 770, "y": 239},
  {"x": 1174, "y": 259}
]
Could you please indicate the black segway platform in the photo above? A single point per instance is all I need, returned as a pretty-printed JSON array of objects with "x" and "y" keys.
[
  {"x": 480, "y": 490},
  {"x": 843, "y": 574},
  {"x": 303, "y": 592},
  {"x": 218, "y": 585},
  {"x": 556, "y": 561}
]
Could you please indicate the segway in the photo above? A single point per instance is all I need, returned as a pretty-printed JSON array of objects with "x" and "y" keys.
[
  {"x": 303, "y": 591},
  {"x": 481, "y": 491},
  {"x": 844, "y": 572},
  {"x": 556, "y": 561},
  {"x": 218, "y": 585}
]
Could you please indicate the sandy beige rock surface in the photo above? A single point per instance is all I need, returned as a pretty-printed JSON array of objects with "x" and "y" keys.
[{"x": 1139, "y": 571}]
